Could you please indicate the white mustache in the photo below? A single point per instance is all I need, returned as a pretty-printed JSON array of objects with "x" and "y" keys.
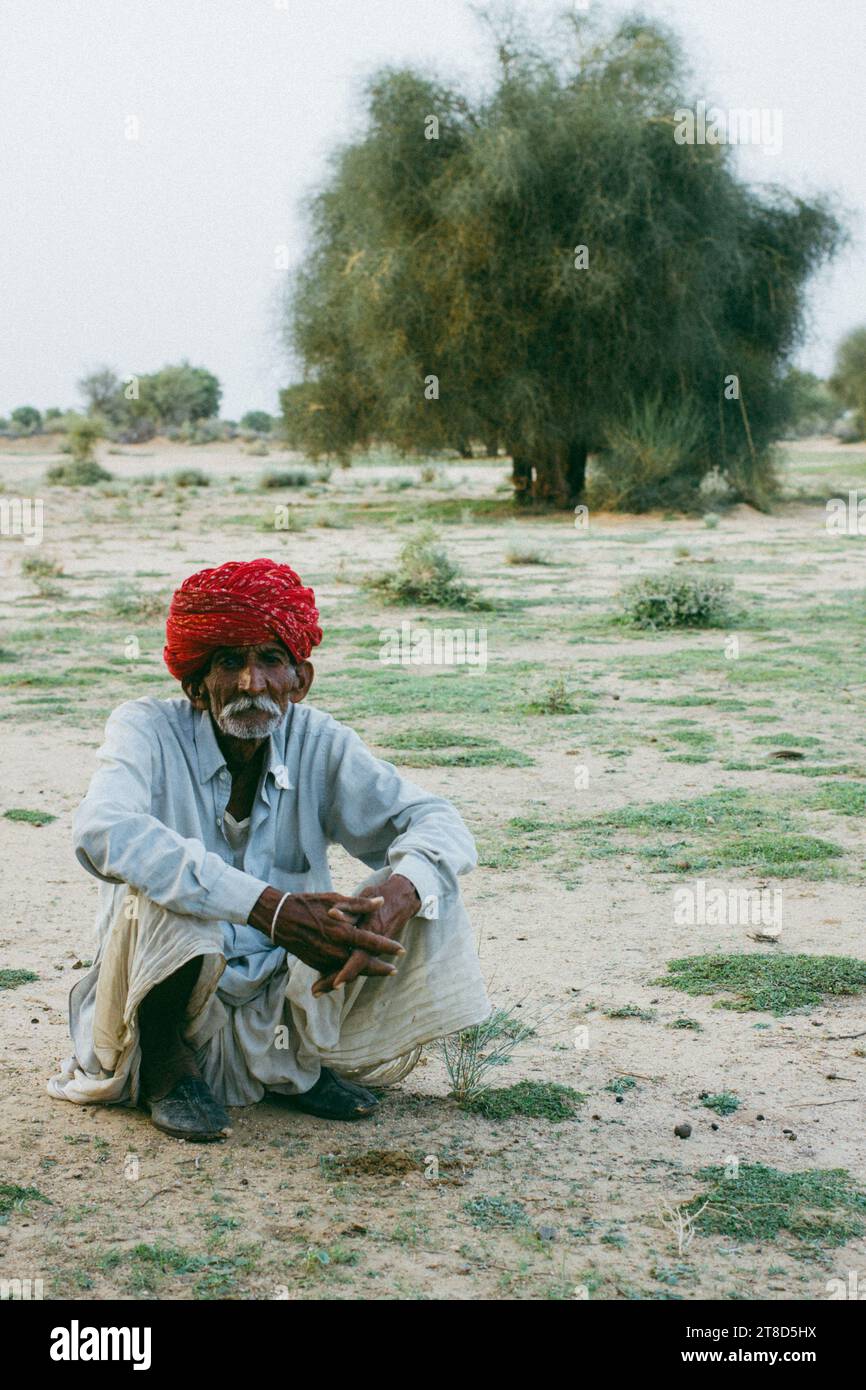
[{"x": 244, "y": 703}]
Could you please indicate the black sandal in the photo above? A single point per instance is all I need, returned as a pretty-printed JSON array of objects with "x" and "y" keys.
[
  {"x": 189, "y": 1111},
  {"x": 334, "y": 1098}
]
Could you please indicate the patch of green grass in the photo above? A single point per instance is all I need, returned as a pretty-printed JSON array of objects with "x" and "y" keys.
[
  {"x": 630, "y": 1011},
  {"x": 149, "y": 1265},
  {"x": 733, "y": 828},
  {"x": 778, "y": 984},
  {"x": 773, "y": 853},
  {"x": 540, "y": 1100},
  {"x": 690, "y": 1024},
  {"x": 490, "y": 1213},
  {"x": 322, "y": 1259},
  {"x": 733, "y": 808},
  {"x": 700, "y": 738},
  {"x": 787, "y": 740},
  {"x": 29, "y": 817},
  {"x": 11, "y": 979},
  {"x": 620, "y": 1084},
  {"x": 372, "y": 690},
  {"x": 443, "y": 748},
  {"x": 723, "y": 1103},
  {"x": 820, "y": 1207},
  {"x": 845, "y": 798},
  {"x": 15, "y": 1198}
]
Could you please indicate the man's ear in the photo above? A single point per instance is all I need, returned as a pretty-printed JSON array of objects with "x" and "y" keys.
[
  {"x": 306, "y": 674},
  {"x": 196, "y": 692}
]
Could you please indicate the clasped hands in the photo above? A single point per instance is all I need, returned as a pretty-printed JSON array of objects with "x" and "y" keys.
[{"x": 341, "y": 937}]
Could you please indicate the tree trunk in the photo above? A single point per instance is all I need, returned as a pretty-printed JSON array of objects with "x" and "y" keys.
[
  {"x": 556, "y": 477},
  {"x": 575, "y": 472},
  {"x": 521, "y": 477}
]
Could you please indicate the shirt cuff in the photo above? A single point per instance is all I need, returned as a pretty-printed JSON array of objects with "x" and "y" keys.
[
  {"x": 235, "y": 894},
  {"x": 424, "y": 879}
]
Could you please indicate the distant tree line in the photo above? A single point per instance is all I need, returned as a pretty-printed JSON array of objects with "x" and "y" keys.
[{"x": 179, "y": 401}]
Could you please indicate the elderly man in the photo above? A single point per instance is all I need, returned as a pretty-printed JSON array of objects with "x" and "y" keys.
[{"x": 227, "y": 968}]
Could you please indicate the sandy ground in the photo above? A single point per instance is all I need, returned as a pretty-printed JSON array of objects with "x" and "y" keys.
[{"x": 291, "y": 1206}]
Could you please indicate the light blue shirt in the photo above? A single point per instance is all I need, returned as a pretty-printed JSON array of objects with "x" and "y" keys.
[{"x": 153, "y": 815}]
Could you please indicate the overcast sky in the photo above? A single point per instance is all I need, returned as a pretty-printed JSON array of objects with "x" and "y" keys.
[{"x": 139, "y": 251}]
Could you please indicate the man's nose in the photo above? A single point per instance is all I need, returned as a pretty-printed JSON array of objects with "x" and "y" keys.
[{"x": 252, "y": 680}]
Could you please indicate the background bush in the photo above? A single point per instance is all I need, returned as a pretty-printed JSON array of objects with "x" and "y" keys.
[{"x": 677, "y": 600}]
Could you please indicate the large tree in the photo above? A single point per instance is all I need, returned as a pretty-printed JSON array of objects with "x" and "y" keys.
[{"x": 548, "y": 266}]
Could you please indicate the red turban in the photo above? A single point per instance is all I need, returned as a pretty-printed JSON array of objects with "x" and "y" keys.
[{"x": 239, "y": 604}]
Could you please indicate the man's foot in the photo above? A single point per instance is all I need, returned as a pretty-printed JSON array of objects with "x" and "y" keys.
[
  {"x": 334, "y": 1098},
  {"x": 189, "y": 1111}
]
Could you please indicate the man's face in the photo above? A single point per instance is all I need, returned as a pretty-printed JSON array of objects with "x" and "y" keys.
[{"x": 249, "y": 689}]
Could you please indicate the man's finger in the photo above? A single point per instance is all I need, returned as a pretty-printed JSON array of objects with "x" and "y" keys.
[
  {"x": 366, "y": 965},
  {"x": 363, "y": 965},
  {"x": 364, "y": 940},
  {"x": 356, "y": 905},
  {"x": 323, "y": 985}
]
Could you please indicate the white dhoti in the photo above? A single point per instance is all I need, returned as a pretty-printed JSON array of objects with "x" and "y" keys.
[{"x": 252, "y": 1018}]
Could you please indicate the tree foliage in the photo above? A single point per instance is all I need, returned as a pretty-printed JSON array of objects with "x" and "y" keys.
[
  {"x": 444, "y": 298},
  {"x": 27, "y": 419},
  {"x": 849, "y": 375},
  {"x": 138, "y": 406}
]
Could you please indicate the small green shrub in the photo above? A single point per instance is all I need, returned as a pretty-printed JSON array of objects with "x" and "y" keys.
[
  {"x": 127, "y": 601},
  {"x": 724, "y": 1103},
  {"x": 426, "y": 574},
  {"x": 77, "y": 473},
  {"x": 82, "y": 435},
  {"x": 677, "y": 600},
  {"x": 620, "y": 1085},
  {"x": 469, "y": 1054},
  {"x": 287, "y": 477},
  {"x": 40, "y": 567},
  {"x": 554, "y": 699},
  {"x": 523, "y": 555},
  {"x": 190, "y": 477}
]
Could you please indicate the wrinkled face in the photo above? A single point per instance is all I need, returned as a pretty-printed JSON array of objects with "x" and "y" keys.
[{"x": 249, "y": 689}]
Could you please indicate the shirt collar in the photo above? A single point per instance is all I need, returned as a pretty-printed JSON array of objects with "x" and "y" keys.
[{"x": 211, "y": 759}]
